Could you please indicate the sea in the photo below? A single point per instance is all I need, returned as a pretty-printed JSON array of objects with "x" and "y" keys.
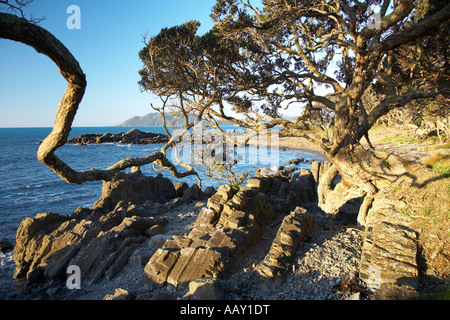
[{"x": 28, "y": 187}]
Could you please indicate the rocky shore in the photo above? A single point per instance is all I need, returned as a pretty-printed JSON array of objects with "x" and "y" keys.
[
  {"x": 240, "y": 245},
  {"x": 149, "y": 239},
  {"x": 134, "y": 136}
]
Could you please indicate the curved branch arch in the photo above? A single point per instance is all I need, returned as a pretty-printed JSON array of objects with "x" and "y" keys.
[{"x": 21, "y": 30}]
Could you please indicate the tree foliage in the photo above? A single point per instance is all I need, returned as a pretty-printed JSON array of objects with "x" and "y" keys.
[
  {"x": 320, "y": 55},
  {"x": 326, "y": 54}
]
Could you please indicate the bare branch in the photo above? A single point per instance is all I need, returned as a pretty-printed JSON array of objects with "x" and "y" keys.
[{"x": 18, "y": 7}]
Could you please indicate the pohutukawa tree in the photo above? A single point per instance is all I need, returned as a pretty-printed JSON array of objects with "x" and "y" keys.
[
  {"x": 327, "y": 54},
  {"x": 320, "y": 55}
]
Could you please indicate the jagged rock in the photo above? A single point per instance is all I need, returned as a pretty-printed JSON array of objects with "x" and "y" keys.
[
  {"x": 134, "y": 136},
  {"x": 220, "y": 237},
  {"x": 295, "y": 161},
  {"x": 121, "y": 226},
  {"x": 136, "y": 188},
  {"x": 98, "y": 248},
  {"x": 388, "y": 261},
  {"x": 34, "y": 240},
  {"x": 99, "y": 244},
  {"x": 232, "y": 222},
  {"x": 286, "y": 190},
  {"x": 292, "y": 231},
  {"x": 192, "y": 193},
  {"x": 120, "y": 294},
  {"x": 226, "y": 192},
  {"x": 207, "y": 217}
]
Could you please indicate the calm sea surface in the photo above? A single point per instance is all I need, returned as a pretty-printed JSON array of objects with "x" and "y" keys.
[{"x": 28, "y": 187}]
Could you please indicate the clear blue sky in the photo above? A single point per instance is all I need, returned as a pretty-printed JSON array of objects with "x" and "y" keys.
[{"x": 106, "y": 46}]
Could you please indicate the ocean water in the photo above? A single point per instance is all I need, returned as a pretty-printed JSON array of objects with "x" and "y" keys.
[{"x": 28, "y": 187}]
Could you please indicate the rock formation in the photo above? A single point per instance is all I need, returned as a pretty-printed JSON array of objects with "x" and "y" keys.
[
  {"x": 230, "y": 225},
  {"x": 136, "y": 188},
  {"x": 134, "y": 136},
  {"x": 98, "y": 240},
  {"x": 101, "y": 240},
  {"x": 128, "y": 226},
  {"x": 291, "y": 233}
]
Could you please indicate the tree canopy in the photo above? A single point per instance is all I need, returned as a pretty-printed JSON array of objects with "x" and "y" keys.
[
  {"x": 322, "y": 55},
  {"x": 318, "y": 56}
]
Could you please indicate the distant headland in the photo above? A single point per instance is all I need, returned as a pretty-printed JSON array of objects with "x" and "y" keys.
[{"x": 153, "y": 119}]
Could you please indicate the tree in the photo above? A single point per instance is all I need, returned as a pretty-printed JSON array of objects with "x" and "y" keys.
[
  {"x": 20, "y": 29},
  {"x": 320, "y": 54},
  {"x": 296, "y": 47}
]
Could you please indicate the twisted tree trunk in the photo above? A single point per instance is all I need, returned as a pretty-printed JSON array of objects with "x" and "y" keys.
[{"x": 364, "y": 172}]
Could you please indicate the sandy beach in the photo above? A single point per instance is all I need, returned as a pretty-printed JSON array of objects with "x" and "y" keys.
[{"x": 383, "y": 139}]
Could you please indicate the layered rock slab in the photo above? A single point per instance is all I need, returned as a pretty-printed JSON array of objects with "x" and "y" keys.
[
  {"x": 231, "y": 223},
  {"x": 291, "y": 233},
  {"x": 389, "y": 253}
]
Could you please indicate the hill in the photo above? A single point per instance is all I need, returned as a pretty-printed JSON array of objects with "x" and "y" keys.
[
  {"x": 149, "y": 120},
  {"x": 152, "y": 120}
]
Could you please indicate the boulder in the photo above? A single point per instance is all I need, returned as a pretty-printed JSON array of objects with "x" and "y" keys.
[
  {"x": 99, "y": 243},
  {"x": 5, "y": 245},
  {"x": 205, "y": 289},
  {"x": 291, "y": 233},
  {"x": 192, "y": 193},
  {"x": 135, "y": 188},
  {"x": 295, "y": 161},
  {"x": 285, "y": 190},
  {"x": 220, "y": 237},
  {"x": 389, "y": 253}
]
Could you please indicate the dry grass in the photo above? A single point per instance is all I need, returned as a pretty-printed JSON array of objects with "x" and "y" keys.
[
  {"x": 437, "y": 159},
  {"x": 434, "y": 147}
]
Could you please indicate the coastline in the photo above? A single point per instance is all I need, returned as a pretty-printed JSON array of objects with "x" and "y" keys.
[
  {"x": 383, "y": 139},
  {"x": 295, "y": 143},
  {"x": 181, "y": 215}
]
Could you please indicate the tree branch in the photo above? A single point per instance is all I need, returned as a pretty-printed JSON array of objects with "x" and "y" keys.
[{"x": 417, "y": 30}]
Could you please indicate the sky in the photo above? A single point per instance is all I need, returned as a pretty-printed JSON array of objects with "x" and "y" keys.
[{"x": 106, "y": 46}]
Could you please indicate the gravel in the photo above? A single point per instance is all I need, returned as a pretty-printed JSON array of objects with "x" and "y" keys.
[{"x": 324, "y": 268}]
